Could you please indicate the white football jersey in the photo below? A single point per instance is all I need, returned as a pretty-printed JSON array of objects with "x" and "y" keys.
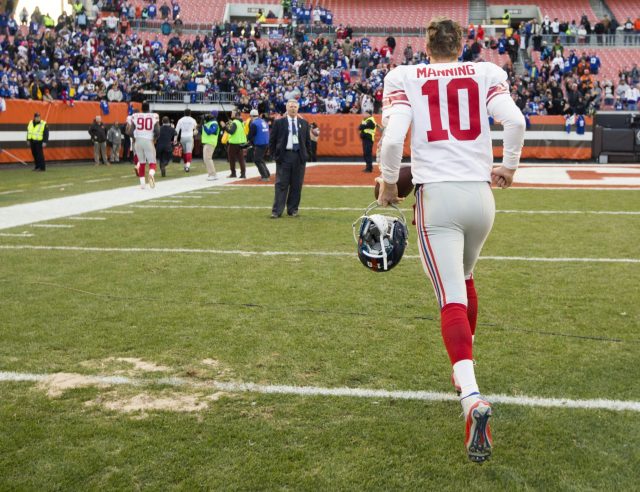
[
  {"x": 186, "y": 125},
  {"x": 450, "y": 131},
  {"x": 143, "y": 124}
]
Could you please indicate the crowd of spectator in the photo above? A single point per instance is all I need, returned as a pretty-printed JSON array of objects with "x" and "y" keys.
[{"x": 88, "y": 57}]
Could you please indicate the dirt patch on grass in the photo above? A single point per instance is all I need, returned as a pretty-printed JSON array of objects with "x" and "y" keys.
[
  {"x": 56, "y": 384},
  {"x": 146, "y": 402}
]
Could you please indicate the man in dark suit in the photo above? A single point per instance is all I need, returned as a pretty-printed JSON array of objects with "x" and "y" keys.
[{"x": 290, "y": 143}]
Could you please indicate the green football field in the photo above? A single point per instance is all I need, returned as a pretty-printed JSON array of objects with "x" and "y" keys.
[{"x": 192, "y": 343}]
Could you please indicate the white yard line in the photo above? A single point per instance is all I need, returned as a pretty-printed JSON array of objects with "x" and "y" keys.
[
  {"x": 117, "y": 212},
  {"x": 338, "y": 254},
  {"x": 235, "y": 387},
  {"x": 86, "y": 218},
  {"x": 8, "y": 234},
  {"x": 53, "y": 226},
  {"x": 360, "y": 209},
  {"x": 11, "y": 192}
]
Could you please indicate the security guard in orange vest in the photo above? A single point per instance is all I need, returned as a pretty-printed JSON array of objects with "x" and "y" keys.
[
  {"x": 367, "y": 134},
  {"x": 38, "y": 136}
]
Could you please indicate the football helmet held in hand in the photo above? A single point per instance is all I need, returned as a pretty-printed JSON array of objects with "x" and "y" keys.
[{"x": 381, "y": 239}]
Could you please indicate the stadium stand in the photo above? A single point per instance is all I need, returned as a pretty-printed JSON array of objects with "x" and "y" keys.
[
  {"x": 262, "y": 73},
  {"x": 382, "y": 13},
  {"x": 614, "y": 60},
  {"x": 622, "y": 9},
  {"x": 562, "y": 9}
]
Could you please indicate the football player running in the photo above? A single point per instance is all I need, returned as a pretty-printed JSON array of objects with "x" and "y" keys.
[
  {"x": 447, "y": 104},
  {"x": 146, "y": 128}
]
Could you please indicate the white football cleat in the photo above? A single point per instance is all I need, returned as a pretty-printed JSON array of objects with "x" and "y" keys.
[
  {"x": 478, "y": 439},
  {"x": 152, "y": 181}
]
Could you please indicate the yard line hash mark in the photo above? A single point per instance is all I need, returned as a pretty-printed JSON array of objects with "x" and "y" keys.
[
  {"x": 239, "y": 387},
  {"x": 53, "y": 226},
  {"x": 87, "y": 218},
  {"x": 55, "y": 186}
]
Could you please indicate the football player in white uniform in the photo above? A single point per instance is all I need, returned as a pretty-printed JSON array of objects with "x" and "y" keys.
[
  {"x": 146, "y": 129},
  {"x": 186, "y": 129},
  {"x": 448, "y": 104}
]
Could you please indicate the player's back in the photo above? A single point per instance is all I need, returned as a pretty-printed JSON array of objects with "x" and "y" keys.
[
  {"x": 451, "y": 135},
  {"x": 186, "y": 126},
  {"x": 144, "y": 124}
]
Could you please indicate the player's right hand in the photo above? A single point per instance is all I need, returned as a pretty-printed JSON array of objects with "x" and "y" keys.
[
  {"x": 388, "y": 194},
  {"x": 502, "y": 177}
]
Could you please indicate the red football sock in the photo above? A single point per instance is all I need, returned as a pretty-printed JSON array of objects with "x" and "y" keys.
[
  {"x": 187, "y": 158},
  {"x": 135, "y": 159},
  {"x": 456, "y": 332},
  {"x": 152, "y": 167},
  {"x": 472, "y": 305},
  {"x": 141, "y": 170}
]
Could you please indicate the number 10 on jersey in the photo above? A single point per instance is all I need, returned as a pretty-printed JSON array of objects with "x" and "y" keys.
[{"x": 431, "y": 89}]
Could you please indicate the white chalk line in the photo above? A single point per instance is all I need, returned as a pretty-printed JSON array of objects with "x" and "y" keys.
[
  {"x": 53, "y": 226},
  {"x": 187, "y": 196},
  {"x": 360, "y": 209},
  {"x": 339, "y": 254},
  {"x": 435, "y": 396},
  {"x": 86, "y": 218},
  {"x": 10, "y": 192},
  {"x": 8, "y": 234},
  {"x": 115, "y": 212}
]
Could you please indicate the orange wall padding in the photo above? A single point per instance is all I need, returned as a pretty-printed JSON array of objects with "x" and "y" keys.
[
  {"x": 20, "y": 112},
  {"x": 339, "y": 137}
]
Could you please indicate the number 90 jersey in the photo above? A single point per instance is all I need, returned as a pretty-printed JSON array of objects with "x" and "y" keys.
[
  {"x": 450, "y": 131},
  {"x": 143, "y": 124}
]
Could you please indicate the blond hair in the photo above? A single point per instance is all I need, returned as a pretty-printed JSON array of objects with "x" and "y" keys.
[{"x": 444, "y": 38}]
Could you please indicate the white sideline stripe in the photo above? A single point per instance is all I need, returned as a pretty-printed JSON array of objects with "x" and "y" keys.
[
  {"x": 115, "y": 211},
  {"x": 164, "y": 201},
  {"x": 8, "y": 234},
  {"x": 292, "y": 253},
  {"x": 87, "y": 218},
  {"x": 55, "y": 186},
  {"x": 528, "y": 401},
  {"x": 9, "y": 192},
  {"x": 53, "y": 226},
  {"x": 187, "y": 196},
  {"x": 356, "y": 209},
  {"x": 28, "y": 213}
]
